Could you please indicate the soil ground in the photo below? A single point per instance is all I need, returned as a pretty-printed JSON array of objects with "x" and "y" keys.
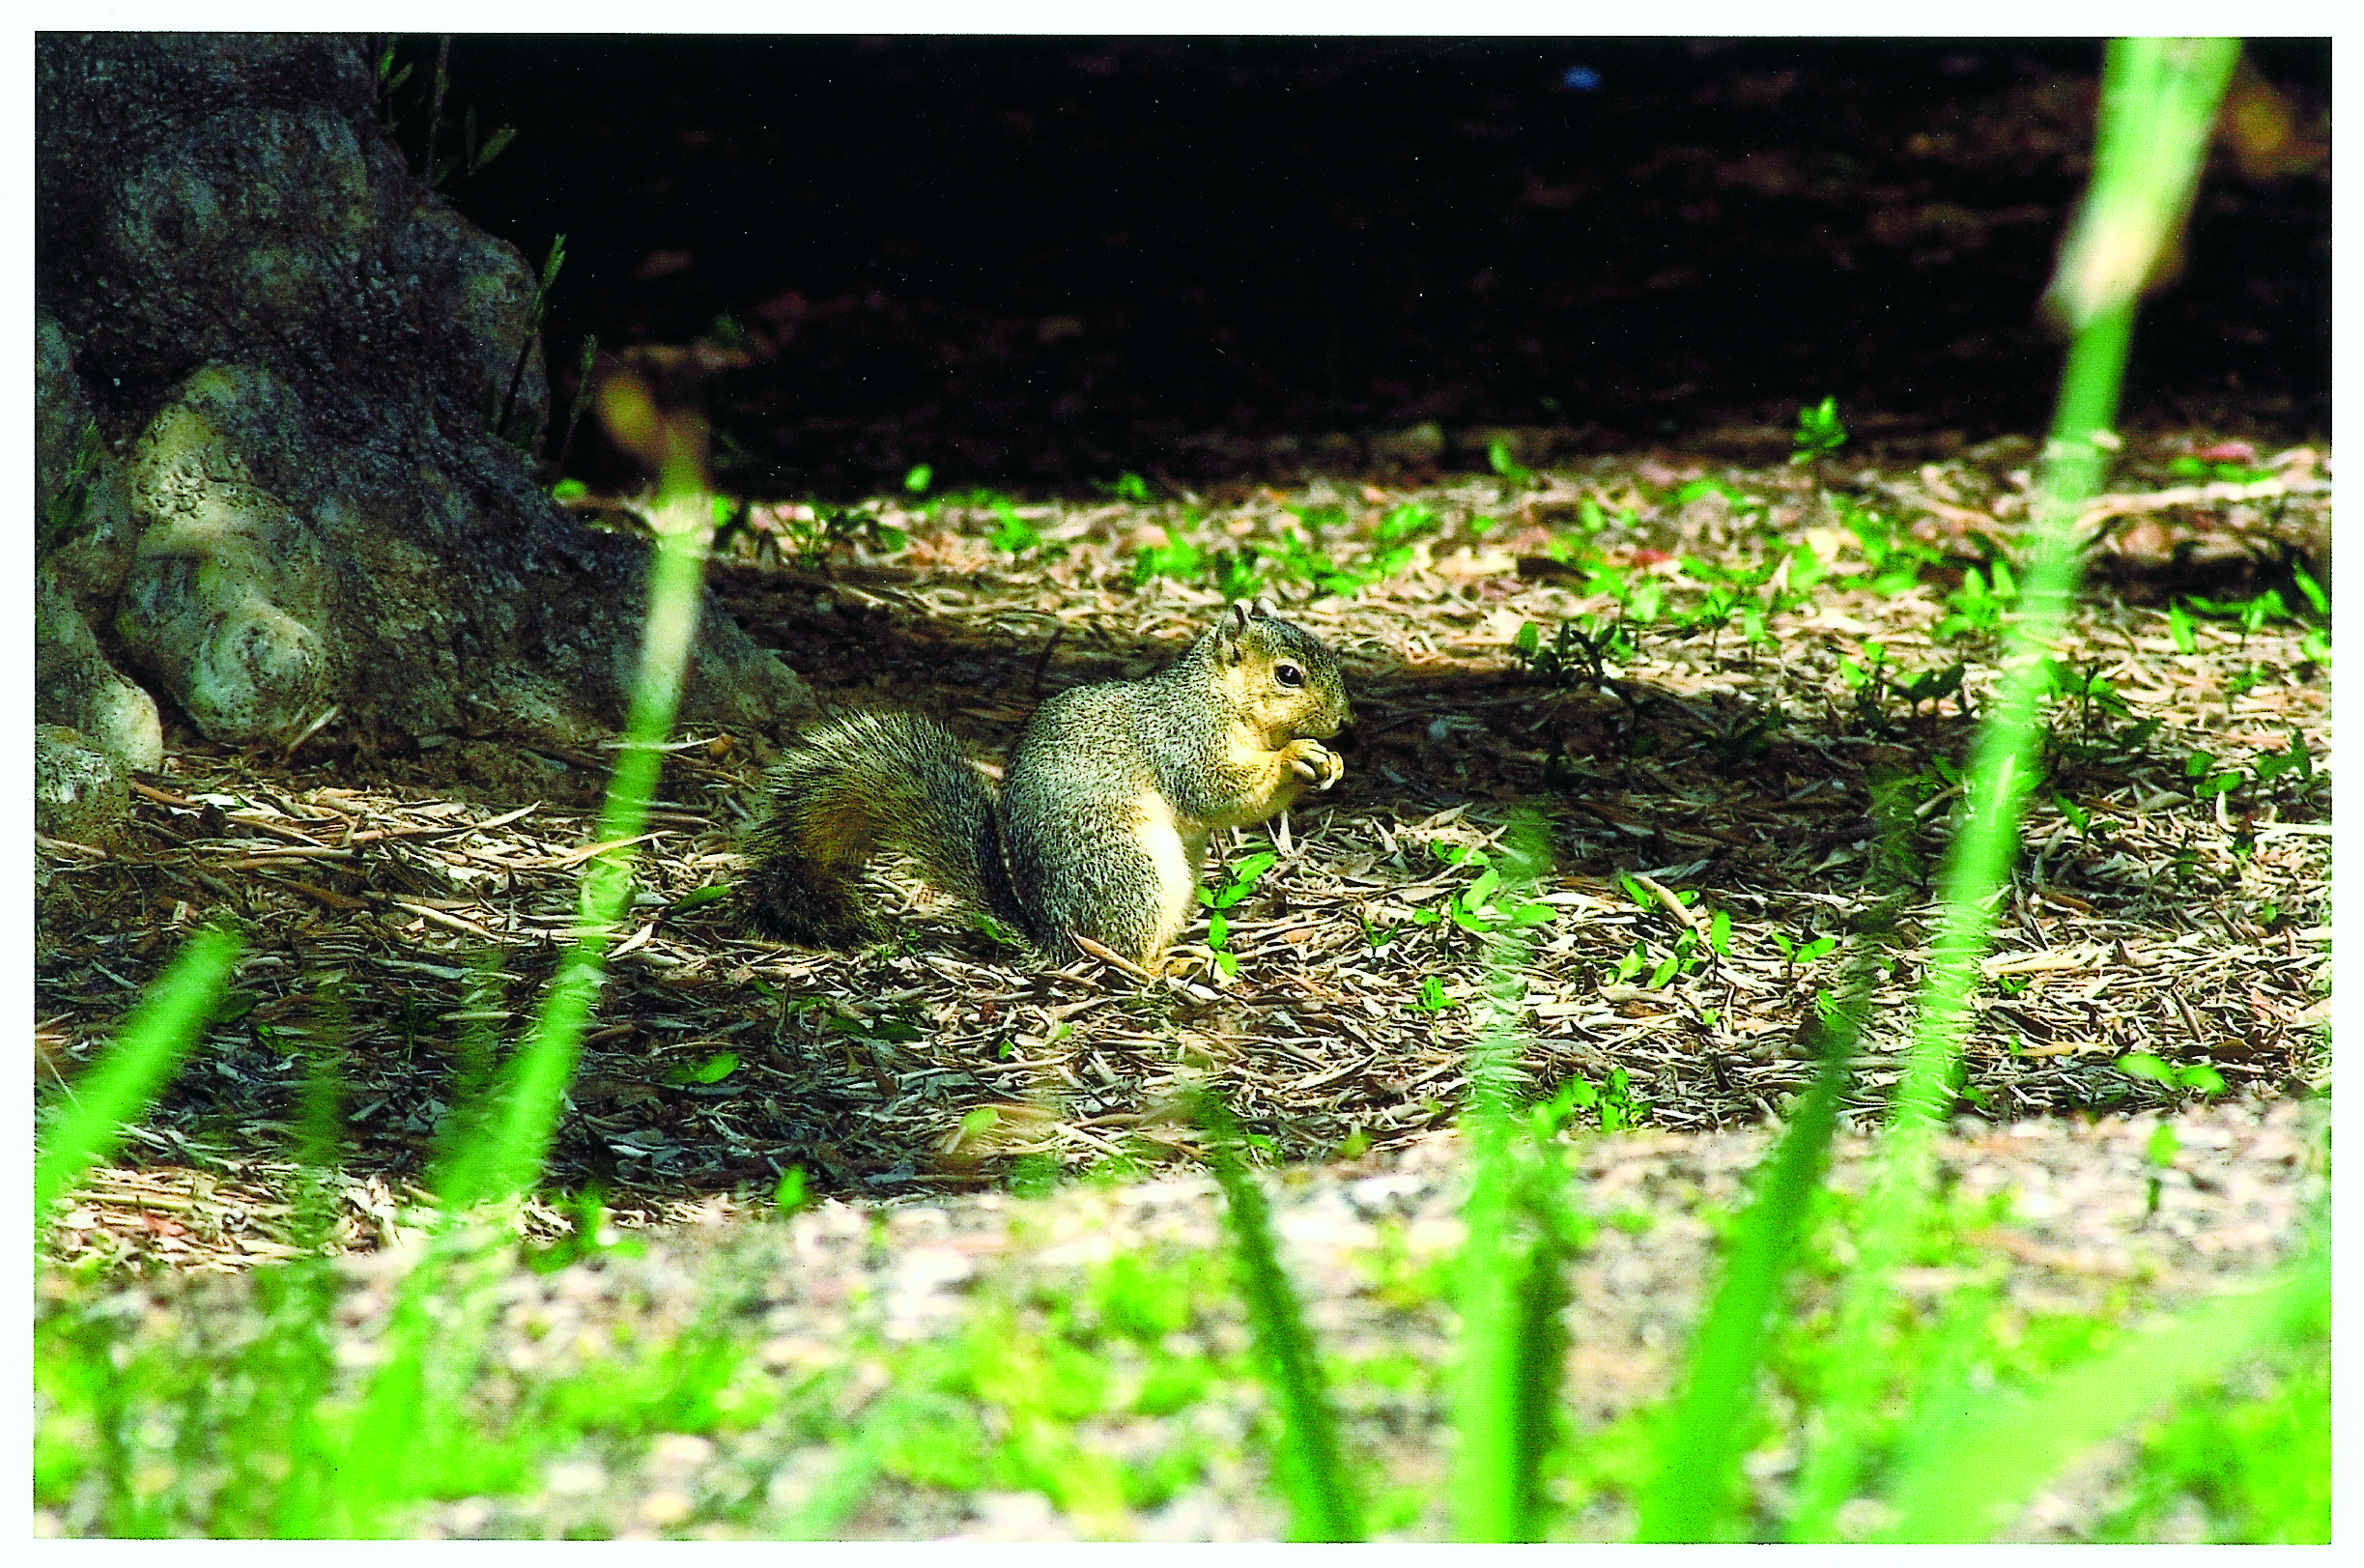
[{"x": 1713, "y": 807}]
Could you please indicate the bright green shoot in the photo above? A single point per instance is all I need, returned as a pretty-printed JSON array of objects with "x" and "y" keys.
[
  {"x": 1495, "y": 1491},
  {"x": 1308, "y": 1464},
  {"x": 1243, "y": 880},
  {"x": 414, "y": 1393},
  {"x": 1819, "y": 433},
  {"x": 154, "y": 1039},
  {"x": 2158, "y": 101}
]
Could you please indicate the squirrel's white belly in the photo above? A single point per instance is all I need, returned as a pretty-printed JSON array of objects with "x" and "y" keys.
[{"x": 1176, "y": 861}]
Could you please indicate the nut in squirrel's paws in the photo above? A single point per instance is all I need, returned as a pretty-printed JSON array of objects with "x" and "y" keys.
[{"x": 1315, "y": 763}]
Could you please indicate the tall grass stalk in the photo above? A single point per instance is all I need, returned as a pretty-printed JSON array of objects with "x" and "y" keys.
[
  {"x": 2158, "y": 101},
  {"x": 416, "y": 1392},
  {"x": 156, "y": 1037},
  {"x": 407, "y": 1437},
  {"x": 1693, "y": 1490},
  {"x": 501, "y": 1163},
  {"x": 1307, "y": 1463},
  {"x": 1495, "y": 1491}
]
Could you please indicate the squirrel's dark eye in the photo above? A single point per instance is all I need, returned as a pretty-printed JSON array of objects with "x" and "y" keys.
[{"x": 1287, "y": 674}]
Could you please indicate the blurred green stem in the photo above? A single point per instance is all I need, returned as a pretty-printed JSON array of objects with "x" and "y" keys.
[
  {"x": 2159, "y": 100},
  {"x": 151, "y": 1045}
]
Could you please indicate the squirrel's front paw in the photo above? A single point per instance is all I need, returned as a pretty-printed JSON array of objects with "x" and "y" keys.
[{"x": 1315, "y": 763}]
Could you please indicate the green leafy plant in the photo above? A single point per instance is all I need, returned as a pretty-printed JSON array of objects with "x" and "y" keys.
[
  {"x": 2259, "y": 610},
  {"x": 2180, "y": 626},
  {"x": 1177, "y": 558},
  {"x": 1783, "y": 581},
  {"x": 1875, "y": 687},
  {"x": 1505, "y": 465},
  {"x": 1976, "y": 607},
  {"x": 1486, "y": 905},
  {"x": 811, "y": 542},
  {"x": 1241, "y": 881},
  {"x": 1894, "y": 560},
  {"x": 2196, "y": 1075},
  {"x": 1612, "y": 1103},
  {"x": 2188, "y": 466},
  {"x": 707, "y": 1069},
  {"x": 1016, "y": 536},
  {"x": 1579, "y": 649},
  {"x": 1296, "y": 552},
  {"x": 1819, "y": 433}
]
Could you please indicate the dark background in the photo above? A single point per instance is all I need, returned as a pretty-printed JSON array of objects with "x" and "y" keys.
[{"x": 1034, "y": 262}]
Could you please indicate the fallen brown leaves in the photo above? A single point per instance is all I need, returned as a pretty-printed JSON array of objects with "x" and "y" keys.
[{"x": 401, "y": 923}]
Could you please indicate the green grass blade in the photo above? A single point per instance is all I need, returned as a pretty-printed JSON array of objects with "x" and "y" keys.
[
  {"x": 510, "y": 1153},
  {"x": 1308, "y": 1468},
  {"x": 1962, "y": 1479},
  {"x": 2158, "y": 101},
  {"x": 1698, "y": 1466},
  {"x": 1494, "y": 1481},
  {"x": 151, "y": 1043},
  {"x": 410, "y": 1407},
  {"x": 1542, "y": 1357},
  {"x": 1485, "y": 1490}
]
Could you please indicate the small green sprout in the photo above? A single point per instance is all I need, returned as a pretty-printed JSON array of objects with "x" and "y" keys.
[
  {"x": 2180, "y": 628},
  {"x": 1980, "y": 604},
  {"x": 712, "y": 1069},
  {"x": 2197, "y": 1076},
  {"x": 1804, "y": 950},
  {"x": 1178, "y": 559},
  {"x": 1819, "y": 432},
  {"x": 1473, "y": 908},
  {"x": 1243, "y": 880},
  {"x": 2296, "y": 759},
  {"x": 1498, "y": 459},
  {"x": 1016, "y": 535}
]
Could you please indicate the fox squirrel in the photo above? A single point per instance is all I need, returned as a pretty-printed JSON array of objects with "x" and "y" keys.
[{"x": 1102, "y": 825}]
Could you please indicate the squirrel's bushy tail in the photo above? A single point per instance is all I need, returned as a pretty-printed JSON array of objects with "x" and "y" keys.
[{"x": 862, "y": 784}]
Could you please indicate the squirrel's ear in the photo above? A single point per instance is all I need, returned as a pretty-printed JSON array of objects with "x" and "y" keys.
[{"x": 1234, "y": 618}]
